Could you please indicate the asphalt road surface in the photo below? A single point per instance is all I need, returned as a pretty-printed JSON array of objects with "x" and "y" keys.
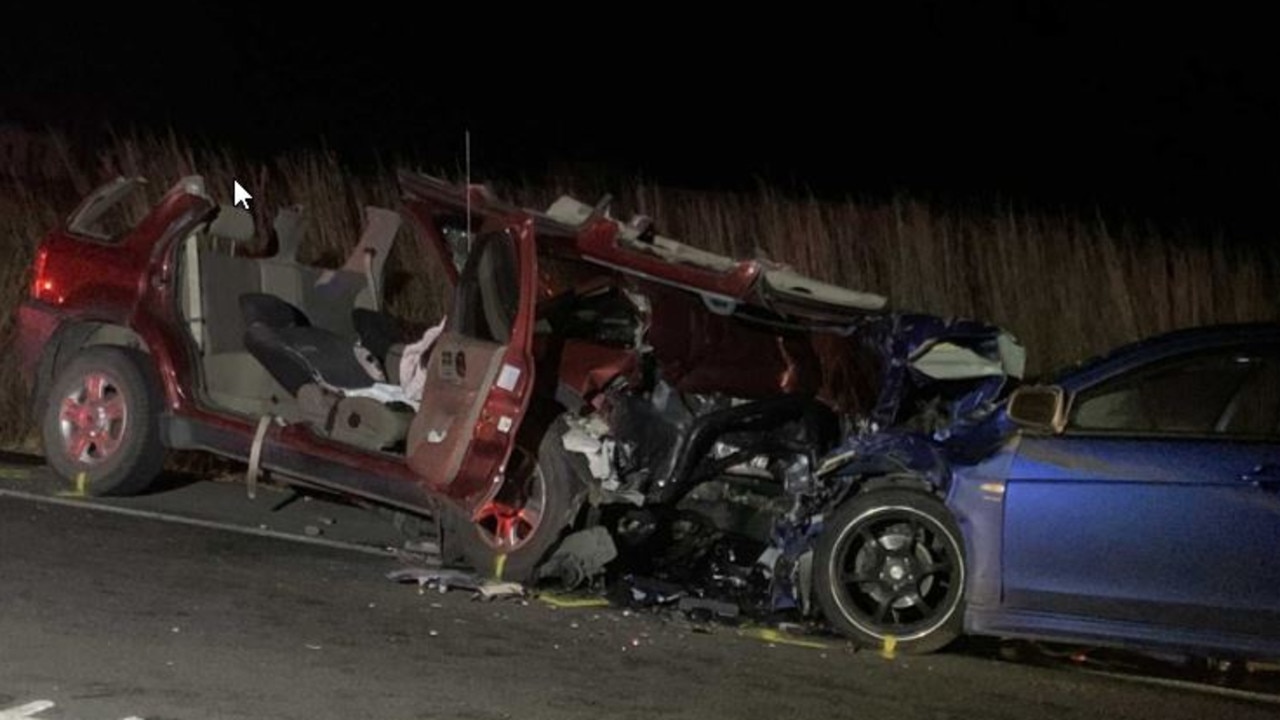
[{"x": 108, "y": 617}]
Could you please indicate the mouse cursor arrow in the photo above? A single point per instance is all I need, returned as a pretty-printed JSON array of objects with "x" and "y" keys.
[{"x": 240, "y": 194}]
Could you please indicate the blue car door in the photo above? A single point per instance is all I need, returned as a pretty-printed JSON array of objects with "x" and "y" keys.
[{"x": 1159, "y": 504}]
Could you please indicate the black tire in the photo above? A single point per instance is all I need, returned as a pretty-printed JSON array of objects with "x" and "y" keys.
[
  {"x": 121, "y": 455},
  {"x": 889, "y": 567},
  {"x": 563, "y": 475}
]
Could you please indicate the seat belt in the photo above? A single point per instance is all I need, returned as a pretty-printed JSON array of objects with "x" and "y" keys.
[
  {"x": 255, "y": 454},
  {"x": 374, "y": 297}
]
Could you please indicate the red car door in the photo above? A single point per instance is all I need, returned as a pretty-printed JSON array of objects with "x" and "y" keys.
[{"x": 480, "y": 372}]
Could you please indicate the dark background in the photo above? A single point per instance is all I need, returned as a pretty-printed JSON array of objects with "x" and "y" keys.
[{"x": 1156, "y": 113}]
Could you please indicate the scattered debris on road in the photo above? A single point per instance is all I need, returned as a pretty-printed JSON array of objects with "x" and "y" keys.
[
  {"x": 446, "y": 579},
  {"x": 706, "y": 609},
  {"x": 557, "y": 600}
]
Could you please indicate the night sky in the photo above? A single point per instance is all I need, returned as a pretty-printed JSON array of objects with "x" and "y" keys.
[{"x": 1158, "y": 114}]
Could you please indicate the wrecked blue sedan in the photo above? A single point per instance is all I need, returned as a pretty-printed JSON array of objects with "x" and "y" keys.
[{"x": 1130, "y": 501}]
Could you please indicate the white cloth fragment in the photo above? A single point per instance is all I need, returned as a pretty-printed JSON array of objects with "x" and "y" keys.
[
  {"x": 588, "y": 437},
  {"x": 384, "y": 393},
  {"x": 413, "y": 373}
]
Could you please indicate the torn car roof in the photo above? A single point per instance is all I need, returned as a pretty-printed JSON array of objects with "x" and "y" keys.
[{"x": 632, "y": 247}]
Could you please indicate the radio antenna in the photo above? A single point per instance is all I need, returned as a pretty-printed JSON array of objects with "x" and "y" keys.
[{"x": 467, "y": 152}]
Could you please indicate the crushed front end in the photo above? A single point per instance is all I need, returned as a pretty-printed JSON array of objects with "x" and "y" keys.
[{"x": 941, "y": 379}]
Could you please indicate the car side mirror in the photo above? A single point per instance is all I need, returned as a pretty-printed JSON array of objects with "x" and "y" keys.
[{"x": 1038, "y": 407}]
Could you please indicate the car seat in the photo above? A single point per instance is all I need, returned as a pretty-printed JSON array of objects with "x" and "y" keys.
[
  {"x": 319, "y": 367},
  {"x": 296, "y": 352}
]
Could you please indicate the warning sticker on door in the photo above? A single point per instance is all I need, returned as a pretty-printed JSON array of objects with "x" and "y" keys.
[{"x": 508, "y": 377}]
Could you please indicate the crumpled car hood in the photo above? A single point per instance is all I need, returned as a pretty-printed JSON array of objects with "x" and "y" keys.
[{"x": 939, "y": 372}]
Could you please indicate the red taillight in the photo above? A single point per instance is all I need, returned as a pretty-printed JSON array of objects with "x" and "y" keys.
[
  {"x": 42, "y": 286},
  {"x": 37, "y": 279}
]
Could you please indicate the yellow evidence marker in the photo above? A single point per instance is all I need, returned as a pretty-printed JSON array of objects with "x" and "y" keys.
[
  {"x": 82, "y": 481},
  {"x": 889, "y": 650}
]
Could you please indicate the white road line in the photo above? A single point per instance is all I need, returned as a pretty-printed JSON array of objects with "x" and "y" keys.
[
  {"x": 181, "y": 520},
  {"x": 25, "y": 711},
  {"x": 22, "y": 712}
]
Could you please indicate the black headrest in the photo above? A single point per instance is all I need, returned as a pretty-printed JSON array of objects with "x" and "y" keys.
[{"x": 271, "y": 311}]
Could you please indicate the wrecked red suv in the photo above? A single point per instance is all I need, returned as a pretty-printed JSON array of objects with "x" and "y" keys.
[{"x": 584, "y": 362}]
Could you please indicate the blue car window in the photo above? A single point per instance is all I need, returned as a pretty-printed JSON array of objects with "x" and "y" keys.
[
  {"x": 1199, "y": 395},
  {"x": 1255, "y": 410}
]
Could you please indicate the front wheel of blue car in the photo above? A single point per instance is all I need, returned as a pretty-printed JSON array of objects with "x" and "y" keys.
[{"x": 889, "y": 571}]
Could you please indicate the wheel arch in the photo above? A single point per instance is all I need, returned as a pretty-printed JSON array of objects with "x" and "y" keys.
[
  {"x": 912, "y": 481},
  {"x": 70, "y": 339},
  {"x": 540, "y": 434},
  {"x": 876, "y": 478}
]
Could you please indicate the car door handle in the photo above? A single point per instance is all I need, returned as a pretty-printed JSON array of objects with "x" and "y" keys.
[
  {"x": 1263, "y": 482},
  {"x": 1264, "y": 477}
]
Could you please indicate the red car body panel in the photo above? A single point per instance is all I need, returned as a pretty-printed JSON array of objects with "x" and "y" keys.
[
  {"x": 486, "y": 446},
  {"x": 82, "y": 280},
  {"x": 702, "y": 352},
  {"x": 131, "y": 284},
  {"x": 599, "y": 241},
  {"x": 586, "y": 368}
]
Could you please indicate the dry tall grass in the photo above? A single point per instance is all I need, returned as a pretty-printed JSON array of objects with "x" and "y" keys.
[{"x": 1068, "y": 286}]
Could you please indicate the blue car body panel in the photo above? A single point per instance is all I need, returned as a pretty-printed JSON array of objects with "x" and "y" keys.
[{"x": 1143, "y": 539}]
